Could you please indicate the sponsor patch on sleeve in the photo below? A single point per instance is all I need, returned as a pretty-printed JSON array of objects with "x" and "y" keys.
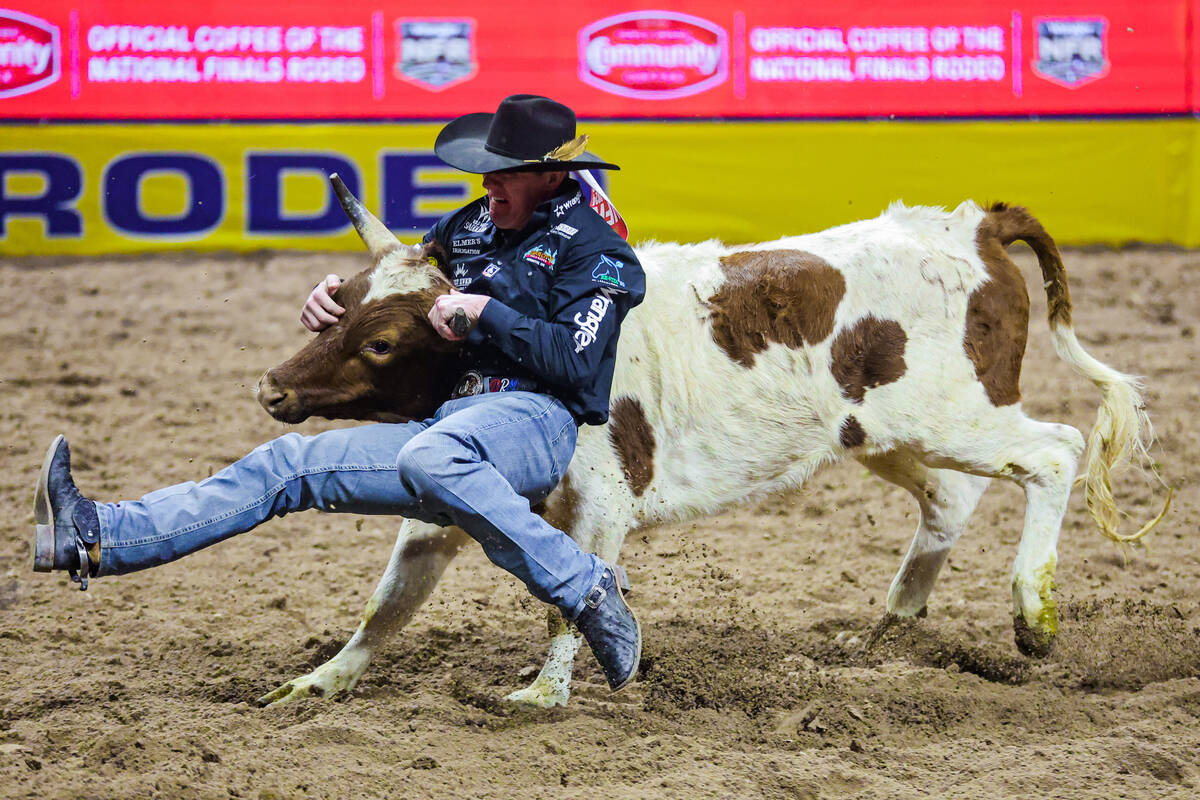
[{"x": 608, "y": 272}]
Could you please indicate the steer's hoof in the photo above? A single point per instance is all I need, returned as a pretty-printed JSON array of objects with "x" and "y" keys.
[
  {"x": 299, "y": 689},
  {"x": 274, "y": 696},
  {"x": 288, "y": 693},
  {"x": 338, "y": 674},
  {"x": 1031, "y": 642},
  {"x": 541, "y": 694}
]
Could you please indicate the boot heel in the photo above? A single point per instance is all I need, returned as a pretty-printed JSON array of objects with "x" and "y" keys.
[
  {"x": 43, "y": 549},
  {"x": 43, "y": 515}
]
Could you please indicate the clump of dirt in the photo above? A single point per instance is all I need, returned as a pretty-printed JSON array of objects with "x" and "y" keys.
[
  {"x": 929, "y": 646},
  {"x": 1125, "y": 644},
  {"x": 474, "y": 660},
  {"x": 753, "y": 674}
]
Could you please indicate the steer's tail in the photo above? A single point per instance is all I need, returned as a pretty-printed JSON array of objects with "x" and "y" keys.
[{"x": 1122, "y": 430}]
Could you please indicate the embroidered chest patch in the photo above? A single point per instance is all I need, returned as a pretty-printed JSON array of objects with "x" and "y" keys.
[{"x": 542, "y": 256}]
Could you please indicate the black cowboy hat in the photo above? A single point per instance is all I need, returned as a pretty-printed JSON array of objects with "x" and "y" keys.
[{"x": 527, "y": 132}]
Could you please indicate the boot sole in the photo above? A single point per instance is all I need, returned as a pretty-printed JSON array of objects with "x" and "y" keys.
[{"x": 43, "y": 515}]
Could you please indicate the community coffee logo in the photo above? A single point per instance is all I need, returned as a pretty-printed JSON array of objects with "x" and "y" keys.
[
  {"x": 653, "y": 55},
  {"x": 1071, "y": 52},
  {"x": 30, "y": 53}
]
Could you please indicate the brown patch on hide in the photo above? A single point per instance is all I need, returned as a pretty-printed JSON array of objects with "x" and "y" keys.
[
  {"x": 852, "y": 433},
  {"x": 447, "y": 540},
  {"x": 997, "y": 321},
  {"x": 868, "y": 354},
  {"x": 633, "y": 439},
  {"x": 561, "y": 508},
  {"x": 784, "y": 296}
]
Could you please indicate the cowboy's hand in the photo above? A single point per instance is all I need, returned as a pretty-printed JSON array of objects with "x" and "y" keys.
[
  {"x": 441, "y": 316},
  {"x": 321, "y": 310}
]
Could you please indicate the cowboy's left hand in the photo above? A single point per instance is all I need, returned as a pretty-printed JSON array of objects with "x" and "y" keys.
[{"x": 443, "y": 312}]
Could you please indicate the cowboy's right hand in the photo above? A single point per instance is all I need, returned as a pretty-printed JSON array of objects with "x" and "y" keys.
[{"x": 320, "y": 310}]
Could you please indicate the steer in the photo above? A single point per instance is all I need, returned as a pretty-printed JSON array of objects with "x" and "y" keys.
[{"x": 895, "y": 341}]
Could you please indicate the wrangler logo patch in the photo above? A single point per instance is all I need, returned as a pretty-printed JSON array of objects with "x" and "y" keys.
[
  {"x": 562, "y": 208},
  {"x": 589, "y": 324}
]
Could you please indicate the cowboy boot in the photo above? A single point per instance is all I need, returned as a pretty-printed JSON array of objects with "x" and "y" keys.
[
  {"x": 67, "y": 535},
  {"x": 611, "y": 630}
]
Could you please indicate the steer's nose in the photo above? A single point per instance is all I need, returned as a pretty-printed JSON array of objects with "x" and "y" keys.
[{"x": 272, "y": 397}]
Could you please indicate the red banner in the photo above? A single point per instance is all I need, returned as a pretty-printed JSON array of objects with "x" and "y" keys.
[
  {"x": 126, "y": 59},
  {"x": 1193, "y": 64}
]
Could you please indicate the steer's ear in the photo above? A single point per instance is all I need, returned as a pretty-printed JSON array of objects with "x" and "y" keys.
[
  {"x": 375, "y": 235},
  {"x": 433, "y": 252}
]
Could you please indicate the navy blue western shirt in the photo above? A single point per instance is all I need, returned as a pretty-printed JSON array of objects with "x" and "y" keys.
[{"x": 560, "y": 288}]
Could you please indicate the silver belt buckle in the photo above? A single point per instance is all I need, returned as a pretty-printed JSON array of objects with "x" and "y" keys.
[{"x": 471, "y": 383}]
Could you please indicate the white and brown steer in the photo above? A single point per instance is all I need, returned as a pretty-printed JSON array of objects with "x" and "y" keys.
[{"x": 896, "y": 341}]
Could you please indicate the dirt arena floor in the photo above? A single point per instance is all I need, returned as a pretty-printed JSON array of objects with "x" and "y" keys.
[{"x": 755, "y": 680}]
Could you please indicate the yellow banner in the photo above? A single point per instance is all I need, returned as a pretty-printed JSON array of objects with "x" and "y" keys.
[{"x": 97, "y": 189}]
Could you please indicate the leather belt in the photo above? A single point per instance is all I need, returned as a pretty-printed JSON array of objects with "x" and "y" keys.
[{"x": 473, "y": 383}]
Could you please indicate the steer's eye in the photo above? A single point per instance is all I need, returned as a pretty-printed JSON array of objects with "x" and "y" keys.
[{"x": 380, "y": 347}]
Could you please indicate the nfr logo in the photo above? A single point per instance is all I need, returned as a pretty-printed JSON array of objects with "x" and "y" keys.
[
  {"x": 1071, "y": 52},
  {"x": 404, "y": 188}
]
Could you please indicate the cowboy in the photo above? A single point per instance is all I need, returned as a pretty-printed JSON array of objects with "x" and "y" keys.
[{"x": 544, "y": 284}]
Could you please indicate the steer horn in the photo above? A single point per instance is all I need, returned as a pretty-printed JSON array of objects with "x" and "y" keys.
[{"x": 375, "y": 235}]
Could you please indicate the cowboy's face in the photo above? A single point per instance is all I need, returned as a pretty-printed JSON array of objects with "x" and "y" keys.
[{"x": 512, "y": 196}]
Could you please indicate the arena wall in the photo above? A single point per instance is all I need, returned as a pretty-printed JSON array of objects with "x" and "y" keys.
[{"x": 1090, "y": 181}]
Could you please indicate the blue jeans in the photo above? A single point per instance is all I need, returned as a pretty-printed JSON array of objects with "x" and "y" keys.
[{"x": 478, "y": 463}]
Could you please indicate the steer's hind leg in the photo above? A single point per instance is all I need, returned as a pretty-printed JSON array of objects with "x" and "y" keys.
[
  {"x": 1041, "y": 458},
  {"x": 420, "y": 556},
  {"x": 1044, "y": 466},
  {"x": 947, "y": 500}
]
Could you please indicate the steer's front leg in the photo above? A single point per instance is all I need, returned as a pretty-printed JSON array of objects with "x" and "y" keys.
[{"x": 418, "y": 560}]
